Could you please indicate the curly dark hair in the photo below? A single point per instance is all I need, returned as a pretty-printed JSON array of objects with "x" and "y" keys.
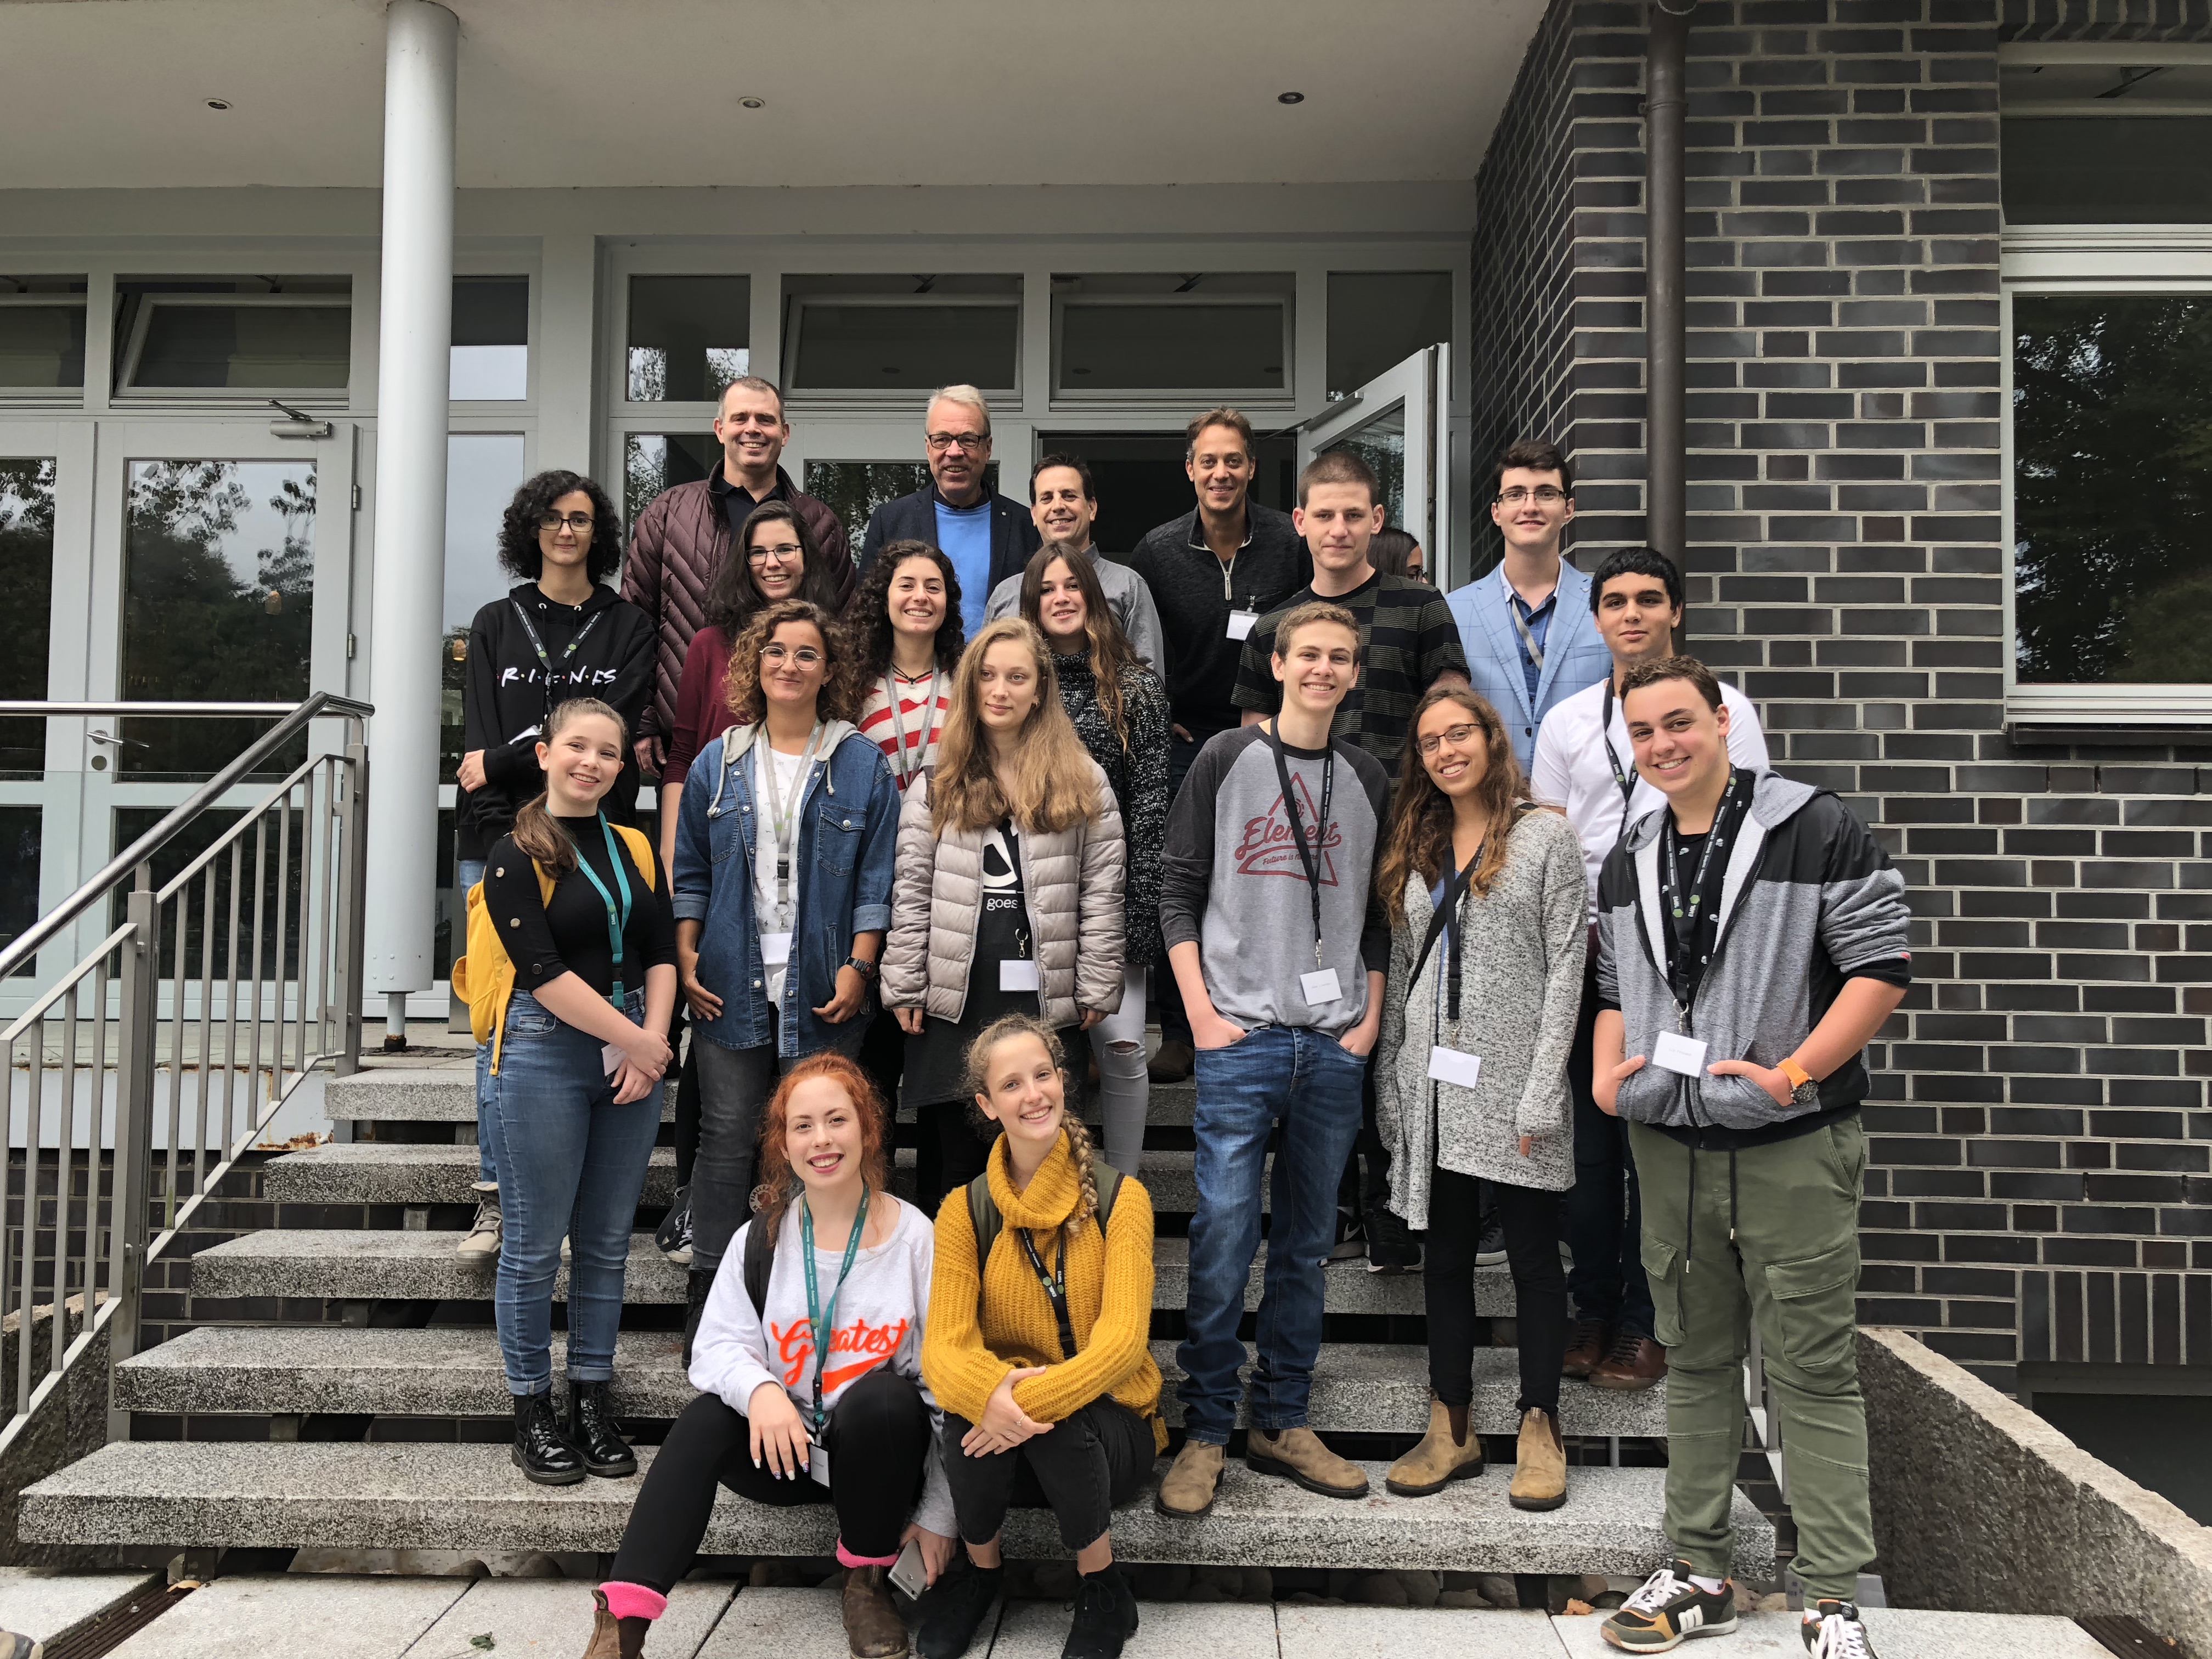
[
  {"x": 868, "y": 622},
  {"x": 741, "y": 684},
  {"x": 519, "y": 552},
  {"x": 733, "y": 595}
]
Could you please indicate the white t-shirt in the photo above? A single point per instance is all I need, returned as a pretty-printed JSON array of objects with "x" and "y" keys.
[
  {"x": 1571, "y": 769},
  {"x": 787, "y": 781}
]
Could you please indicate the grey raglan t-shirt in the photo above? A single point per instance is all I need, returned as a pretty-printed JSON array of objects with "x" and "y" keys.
[{"x": 1233, "y": 882}]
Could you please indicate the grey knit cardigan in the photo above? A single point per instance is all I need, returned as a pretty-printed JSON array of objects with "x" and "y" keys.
[{"x": 1523, "y": 949}]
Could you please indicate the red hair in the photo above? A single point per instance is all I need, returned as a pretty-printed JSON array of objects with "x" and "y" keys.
[{"x": 779, "y": 1182}]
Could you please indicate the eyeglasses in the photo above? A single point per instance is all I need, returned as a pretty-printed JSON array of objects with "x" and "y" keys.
[
  {"x": 1454, "y": 735},
  {"x": 1544, "y": 495},
  {"x": 782, "y": 553},
  {"x": 939, "y": 442},
  {"x": 805, "y": 656},
  {"x": 580, "y": 522}
]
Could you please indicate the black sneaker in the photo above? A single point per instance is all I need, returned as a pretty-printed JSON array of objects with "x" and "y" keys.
[
  {"x": 673, "y": 1236},
  {"x": 1105, "y": 1615},
  {"x": 1833, "y": 1630},
  {"x": 1390, "y": 1246},
  {"x": 953, "y": 1608},
  {"x": 1350, "y": 1236},
  {"x": 1667, "y": 1610},
  {"x": 1490, "y": 1244}
]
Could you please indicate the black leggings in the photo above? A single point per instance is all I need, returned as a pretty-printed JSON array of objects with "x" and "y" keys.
[
  {"x": 1088, "y": 1465},
  {"x": 1531, "y": 1218},
  {"x": 878, "y": 1436}
]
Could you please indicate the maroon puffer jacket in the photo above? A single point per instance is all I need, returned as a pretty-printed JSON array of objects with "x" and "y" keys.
[{"x": 674, "y": 549}]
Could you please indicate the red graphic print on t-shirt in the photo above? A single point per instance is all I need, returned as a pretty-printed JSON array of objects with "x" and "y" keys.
[
  {"x": 1265, "y": 846},
  {"x": 795, "y": 1342}
]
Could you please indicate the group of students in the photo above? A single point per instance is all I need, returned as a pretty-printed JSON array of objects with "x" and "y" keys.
[{"x": 1296, "y": 787}]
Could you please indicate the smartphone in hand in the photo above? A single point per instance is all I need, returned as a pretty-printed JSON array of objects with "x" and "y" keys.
[{"x": 908, "y": 1575}]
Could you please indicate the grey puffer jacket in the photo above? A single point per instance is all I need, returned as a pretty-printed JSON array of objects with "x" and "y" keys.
[
  {"x": 1071, "y": 885},
  {"x": 1523, "y": 949}
]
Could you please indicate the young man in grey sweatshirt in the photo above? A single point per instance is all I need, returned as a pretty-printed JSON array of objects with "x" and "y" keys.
[
  {"x": 1278, "y": 942},
  {"x": 1752, "y": 939}
]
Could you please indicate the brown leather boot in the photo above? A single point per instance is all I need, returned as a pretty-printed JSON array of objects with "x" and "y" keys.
[
  {"x": 1193, "y": 1480},
  {"x": 1442, "y": 1457},
  {"x": 1632, "y": 1362},
  {"x": 613, "y": 1637},
  {"x": 1587, "y": 1340},
  {"x": 1540, "y": 1471},
  {"x": 873, "y": 1629},
  {"x": 1298, "y": 1454}
]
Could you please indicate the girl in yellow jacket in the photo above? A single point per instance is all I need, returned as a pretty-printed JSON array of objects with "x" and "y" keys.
[{"x": 1039, "y": 1355}]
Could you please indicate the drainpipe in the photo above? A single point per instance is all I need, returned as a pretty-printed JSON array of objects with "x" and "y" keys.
[
  {"x": 1665, "y": 509},
  {"x": 414, "y": 324}
]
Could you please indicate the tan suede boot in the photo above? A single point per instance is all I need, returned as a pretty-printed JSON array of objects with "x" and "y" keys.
[
  {"x": 873, "y": 1629},
  {"x": 1540, "y": 1473},
  {"x": 1441, "y": 1458},
  {"x": 1192, "y": 1481},
  {"x": 1298, "y": 1454},
  {"x": 613, "y": 1637}
]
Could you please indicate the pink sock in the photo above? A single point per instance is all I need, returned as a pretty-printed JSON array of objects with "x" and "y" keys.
[
  {"x": 634, "y": 1600},
  {"x": 846, "y": 1558}
]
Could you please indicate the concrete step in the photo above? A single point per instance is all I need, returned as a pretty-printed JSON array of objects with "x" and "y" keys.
[
  {"x": 373, "y": 1266},
  {"x": 205, "y": 1494},
  {"x": 1358, "y": 1388}
]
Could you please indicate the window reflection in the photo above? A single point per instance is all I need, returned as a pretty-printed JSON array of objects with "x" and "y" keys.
[{"x": 27, "y": 575}]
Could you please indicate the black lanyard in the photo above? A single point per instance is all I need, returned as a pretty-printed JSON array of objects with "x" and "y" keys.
[
  {"x": 617, "y": 925},
  {"x": 820, "y": 1320},
  {"x": 1627, "y": 784},
  {"x": 1308, "y": 857},
  {"x": 1054, "y": 1286},
  {"x": 1686, "y": 909},
  {"x": 538, "y": 644},
  {"x": 1445, "y": 921}
]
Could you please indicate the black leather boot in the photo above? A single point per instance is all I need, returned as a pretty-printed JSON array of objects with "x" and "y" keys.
[
  {"x": 696, "y": 1285},
  {"x": 595, "y": 1433},
  {"x": 539, "y": 1451}
]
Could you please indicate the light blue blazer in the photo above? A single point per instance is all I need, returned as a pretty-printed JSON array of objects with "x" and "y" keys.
[{"x": 1574, "y": 655}]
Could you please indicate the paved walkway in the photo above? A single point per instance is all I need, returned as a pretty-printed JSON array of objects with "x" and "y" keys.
[{"x": 317, "y": 1616}]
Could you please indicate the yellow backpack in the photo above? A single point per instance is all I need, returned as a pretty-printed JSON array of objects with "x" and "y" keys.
[{"x": 485, "y": 978}]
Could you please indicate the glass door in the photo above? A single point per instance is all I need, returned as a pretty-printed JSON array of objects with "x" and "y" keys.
[
  {"x": 857, "y": 465},
  {"x": 40, "y": 482},
  {"x": 1398, "y": 423}
]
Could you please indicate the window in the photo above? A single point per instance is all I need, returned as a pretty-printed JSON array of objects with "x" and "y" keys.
[
  {"x": 490, "y": 361},
  {"x": 41, "y": 335},
  {"x": 482, "y": 471},
  {"x": 1213, "y": 335},
  {"x": 854, "y": 490},
  {"x": 689, "y": 338},
  {"x": 249, "y": 339},
  {"x": 26, "y": 576},
  {"x": 654, "y": 461},
  {"x": 2106, "y": 136},
  {"x": 1377, "y": 319},
  {"x": 858, "y": 336}
]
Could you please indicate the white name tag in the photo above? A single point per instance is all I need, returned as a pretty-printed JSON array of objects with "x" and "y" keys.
[
  {"x": 775, "y": 950},
  {"x": 1018, "y": 974},
  {"x": 610, "y": 1058},
  {"x": 1675, "y": 1052},
  {"x": 818, "y": 1464},
  {"x": 1319, "y": 987},
  {"x": 1449, "y": 1066},
  {"x": 1241, "y": 624}
]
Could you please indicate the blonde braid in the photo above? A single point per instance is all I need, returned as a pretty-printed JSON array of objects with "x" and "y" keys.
[{"x": 1086, "y": 1197}]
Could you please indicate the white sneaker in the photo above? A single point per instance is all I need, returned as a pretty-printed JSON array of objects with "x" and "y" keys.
[
  {"x": 1834, "y": 1630},
  {"x": 482, "y": 1238}
]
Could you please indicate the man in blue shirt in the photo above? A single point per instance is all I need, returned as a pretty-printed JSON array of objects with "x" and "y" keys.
[{"x": 987, "y": 537}]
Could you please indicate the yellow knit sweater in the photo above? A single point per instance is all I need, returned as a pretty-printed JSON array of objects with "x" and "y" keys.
[{"x": 977, "y": 1332}]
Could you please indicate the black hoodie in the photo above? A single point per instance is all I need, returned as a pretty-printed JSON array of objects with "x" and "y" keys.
[{"x": 507, "y": 697}]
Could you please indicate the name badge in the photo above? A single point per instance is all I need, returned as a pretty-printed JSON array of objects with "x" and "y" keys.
[
  {"x": 818, "y": 1464},
  {"x": 1319, "y": 987},
  {"x": 611, "y": 1060},
  {"x": 1675, "y": 1052},
  {"x": 1241, "y": 624},
  {"x": 1018, "y": 974},
  {"x": 775, "y": 950},
  {"x": 1450, "y": 1066}
]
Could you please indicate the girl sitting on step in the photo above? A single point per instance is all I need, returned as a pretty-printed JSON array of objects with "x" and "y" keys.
[
  {"x": 1488, "y": 918},
  {"x": 1037, "y": 1345},
  {"x": 830, "y": 1262}
]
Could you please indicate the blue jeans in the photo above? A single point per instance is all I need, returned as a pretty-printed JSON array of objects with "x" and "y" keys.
[
  {"x": 572, "y": 1162},
  {"x": 467, "y": 874},
  {"x": 1309, "y": 1084}
]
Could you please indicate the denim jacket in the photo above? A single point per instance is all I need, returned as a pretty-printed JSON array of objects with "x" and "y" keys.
[{"x": 848, "y": 832}]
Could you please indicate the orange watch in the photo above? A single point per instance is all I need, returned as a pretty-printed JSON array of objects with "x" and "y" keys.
[{"x": 1798, "y": 1076}]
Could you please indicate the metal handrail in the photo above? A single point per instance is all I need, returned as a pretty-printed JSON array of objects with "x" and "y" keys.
[{"x": 296, "y": 717}]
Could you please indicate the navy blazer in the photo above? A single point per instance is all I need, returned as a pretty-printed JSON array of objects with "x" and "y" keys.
[
  {"x": 914, "y": 517},
  {"x": 1574, "y": 655}
]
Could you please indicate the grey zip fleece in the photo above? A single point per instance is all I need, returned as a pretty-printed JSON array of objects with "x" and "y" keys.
[{"x": 1810, "y": 900}]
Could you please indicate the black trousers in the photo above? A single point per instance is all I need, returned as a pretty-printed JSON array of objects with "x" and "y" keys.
[
  {"x": 1084, "y": 1467},
  {"x": 1531, "y": 1219},
  {"x": 952, "y": 1152},
  {"x": 878, "y": 1437},
  {"x": 1604, "y": 1209}
]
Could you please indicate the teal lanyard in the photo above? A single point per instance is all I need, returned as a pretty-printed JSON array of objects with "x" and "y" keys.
[
  {"x": 616, "y": 924},
  {"x": 819, "y": 1318}
]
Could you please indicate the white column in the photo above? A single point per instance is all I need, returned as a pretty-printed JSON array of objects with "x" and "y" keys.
[{"x": 414, "y": 340}]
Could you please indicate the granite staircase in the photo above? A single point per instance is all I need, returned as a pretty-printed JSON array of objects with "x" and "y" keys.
[{"x": 373, "y": 1415}]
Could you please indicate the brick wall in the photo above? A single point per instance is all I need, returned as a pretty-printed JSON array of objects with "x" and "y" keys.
[{"x": 2042, "y": 1152}]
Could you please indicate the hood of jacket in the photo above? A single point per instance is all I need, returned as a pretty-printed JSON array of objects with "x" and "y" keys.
[{"x": 737, "y": 742}]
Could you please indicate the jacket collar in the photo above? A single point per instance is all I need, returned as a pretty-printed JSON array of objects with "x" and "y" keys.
[
  {"x": 1775, "y": 800},
  {"x": 738, "y": 742}
]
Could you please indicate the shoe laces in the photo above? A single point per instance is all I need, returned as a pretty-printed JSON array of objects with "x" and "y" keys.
[
  {"x": 1623, "y": 1347},
  {"x": 1656, "y": 1592},
  {"x": 487, "y": 1216},
  {"x": 1842, "y": 1635}
]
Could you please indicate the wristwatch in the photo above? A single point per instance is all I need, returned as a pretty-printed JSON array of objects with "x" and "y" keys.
[
  {"x": 1803, "y": 1090},
  {"x": 865, "y": 969}
]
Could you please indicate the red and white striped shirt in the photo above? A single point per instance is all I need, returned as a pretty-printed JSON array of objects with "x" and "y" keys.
[{"x": 907, "y": 736}]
